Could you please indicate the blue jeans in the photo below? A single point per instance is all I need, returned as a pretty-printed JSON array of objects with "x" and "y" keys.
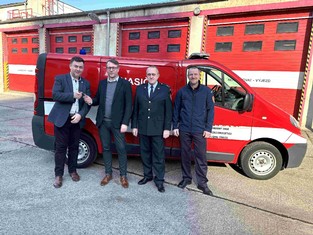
[{"x": 106, "y": 130}]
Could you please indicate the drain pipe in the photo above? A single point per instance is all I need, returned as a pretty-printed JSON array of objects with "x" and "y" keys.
[{"x": 108, "y": 34}]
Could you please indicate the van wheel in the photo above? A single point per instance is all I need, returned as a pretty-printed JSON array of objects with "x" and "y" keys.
[
  {"x": 260, "y": 160},
  {"x": 87, "y": 151}
]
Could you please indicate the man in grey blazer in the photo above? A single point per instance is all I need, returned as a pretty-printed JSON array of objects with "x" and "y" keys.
[
  {"x": 68, "y": 116},
  {"x": 114, "y": 98}
]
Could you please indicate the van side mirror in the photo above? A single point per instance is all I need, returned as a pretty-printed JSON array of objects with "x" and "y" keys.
[{"x": 247, "y": 103}]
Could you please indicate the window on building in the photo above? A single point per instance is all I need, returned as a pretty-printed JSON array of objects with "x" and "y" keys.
[
  {"x": 252, "y": 46},
  {"x": 86, "y": 38},
  {"x": 35, "y": 40},
  {"x": 225, "y": 31},
  {"x": 133, "y": 49},
  {"x": 72, "y": 50},
  {"x": 59, "y": 39},
  {"x": 14, "y": 40},
  {"x": 87, "y": 49},
  {"x": 24, "y": 50},
  {"x": 153, "y": 48},
  {"x": 285, "y": 45},
  {"x": 24, "y": 40},
  {"x": 154, "y": 34},
  {"x": 134, "y": 35},
  {"x": 223, "y": 46},
  {"x": 291, "y": 27},
  {"x": 14, "y": 51},
  {"x": 59, "y": 50},
  {"x": 254, "y": 29},
  {"x": 35, "y": 50},
  {"x": 173, "y": 48},
  {"x": 174, "y": 33},
  {"x": 72, "y": 39}
]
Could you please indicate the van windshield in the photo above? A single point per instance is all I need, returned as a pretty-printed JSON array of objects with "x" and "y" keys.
[{"x": 227, "y": 92}]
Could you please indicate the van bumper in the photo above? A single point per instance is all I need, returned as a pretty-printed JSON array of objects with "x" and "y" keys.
[
  {"x": 296, "y": 154},
  {"x": 41, "y": 139}
]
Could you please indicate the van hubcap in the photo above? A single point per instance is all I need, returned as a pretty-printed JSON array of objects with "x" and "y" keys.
[{"x": 262, "y": 162}]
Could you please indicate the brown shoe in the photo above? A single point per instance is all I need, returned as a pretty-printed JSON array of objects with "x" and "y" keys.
[
  {"x": 124, "y": 182},
  {"x": 75, "y": 177},
  {"x": 58, "y": 182},
  {"x": 106, "y": 180}
]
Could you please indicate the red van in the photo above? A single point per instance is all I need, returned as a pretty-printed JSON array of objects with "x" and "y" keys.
[{"x": 248, "y": 130}]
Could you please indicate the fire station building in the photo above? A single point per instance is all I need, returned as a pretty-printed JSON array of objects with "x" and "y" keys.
[{"x": 266, "y": 42}]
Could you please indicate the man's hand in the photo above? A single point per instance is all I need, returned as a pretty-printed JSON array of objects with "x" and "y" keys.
[
  {"x": 123, "y": 128},
  {"x": 206, "y": 134},
  {"x": 78, "y": 94},
  {"x": 87, "y": 99},
  {"x": 166, "y": 134},
  {"x": 135, "y": 131},
  {"x": 176, "y": 132},
  {"x": 76, "y": 118}
]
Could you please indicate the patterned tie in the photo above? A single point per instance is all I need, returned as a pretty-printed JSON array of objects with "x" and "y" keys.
[{"x": 151, "y": 90}]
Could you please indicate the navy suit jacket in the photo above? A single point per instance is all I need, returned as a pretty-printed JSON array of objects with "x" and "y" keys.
[
  {"x": 63, "y": 96},
  {"x": 121, "y": 109},
  {"x": 152, "y": 115}
]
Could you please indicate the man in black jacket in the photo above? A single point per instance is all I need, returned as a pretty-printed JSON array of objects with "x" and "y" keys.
[
  {"x": 68, "y": 116},
  {"x": 115, "y": 107},
  {"x": 151, "y": 119}
]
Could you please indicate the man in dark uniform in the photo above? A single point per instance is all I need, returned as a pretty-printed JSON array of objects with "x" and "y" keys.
[
  {"x": 152, "y": 120},
  {"x": 68, "y": 116}
]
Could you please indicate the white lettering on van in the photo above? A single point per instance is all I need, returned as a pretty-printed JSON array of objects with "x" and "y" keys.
[{"x": 136, "y": 81}]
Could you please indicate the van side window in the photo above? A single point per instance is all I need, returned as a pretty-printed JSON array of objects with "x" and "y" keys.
[{"x": 227, "y": 92}]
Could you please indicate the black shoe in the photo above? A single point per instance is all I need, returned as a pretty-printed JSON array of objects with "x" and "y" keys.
[
  {"x": 184, "y": 183},
  {"x": 161, "y": 188},
  {"x": 144, "y": 180},
  {"x": 205, "y": 190}
]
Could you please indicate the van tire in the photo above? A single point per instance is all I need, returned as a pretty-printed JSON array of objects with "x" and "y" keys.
[
  {"x": 260, "y": 160},
  {"x": 87, "y": 152}
]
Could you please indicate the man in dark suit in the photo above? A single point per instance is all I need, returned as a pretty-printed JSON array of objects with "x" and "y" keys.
[
  {"x": 115, "y": 107},
  {"x": 151, "y": 118},
  {"x": 68, "y": 115}
]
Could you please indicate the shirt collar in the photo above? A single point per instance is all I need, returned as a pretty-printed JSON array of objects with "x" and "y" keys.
[
  {"x": 113, "y": 80},
  {"x": 154, "y": 85}
]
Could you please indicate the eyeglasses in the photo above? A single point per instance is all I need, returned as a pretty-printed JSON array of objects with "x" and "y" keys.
[{"x": 112, "y": 68}]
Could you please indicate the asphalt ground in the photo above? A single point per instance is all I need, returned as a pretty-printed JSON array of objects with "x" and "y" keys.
[{"x": 29, "y": 204}]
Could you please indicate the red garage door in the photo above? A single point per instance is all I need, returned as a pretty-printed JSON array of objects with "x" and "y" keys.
[
  {"x": 268, "y": 51},
  {"x": 167, "y": 39},
  {"x": 71, "y": 40},
  {"x": 23, "y": 49}
]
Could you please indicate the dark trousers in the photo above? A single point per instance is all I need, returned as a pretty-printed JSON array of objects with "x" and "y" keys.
[
  {"x": 153, "y": 157},
  {"x": 106, "y": 129},
  {"x": 201, "y": 168},
  {"x": 66, "y": 141}
]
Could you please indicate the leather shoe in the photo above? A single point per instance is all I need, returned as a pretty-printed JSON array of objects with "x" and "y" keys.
[
  {"x": 205, "y": 190},
  {"x": 161, "y": 188},
  {"x": 144, "y": 180},
  {"x": 124, "y": 182},
  {"x": 75, "y": 177},
  {"x": 106, "y": 180},
  {"x": 58, "y": 182},
  {"x": 184, "y": 183}
]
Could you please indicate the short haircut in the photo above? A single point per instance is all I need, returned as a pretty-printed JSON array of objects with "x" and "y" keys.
[
  {"x": 154, "y": 67},
  {"x": 77, "y": 59},
  {"x": 113, "y": 61},
  {"x": 193, "y": 67}
]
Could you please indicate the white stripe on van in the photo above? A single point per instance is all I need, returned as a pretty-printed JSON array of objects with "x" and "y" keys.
[
  {"x": 272, "y": 79},
  {"x": 244, "y": 133}
]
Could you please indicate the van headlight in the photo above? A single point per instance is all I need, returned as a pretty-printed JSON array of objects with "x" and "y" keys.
[{"x": 294, "y": 122}]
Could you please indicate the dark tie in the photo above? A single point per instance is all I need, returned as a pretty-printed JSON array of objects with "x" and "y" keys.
[{"x": 151, "y": 90}]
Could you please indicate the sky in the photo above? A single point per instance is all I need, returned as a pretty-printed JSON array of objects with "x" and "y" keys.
[{"x": 87, "y": 5}]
